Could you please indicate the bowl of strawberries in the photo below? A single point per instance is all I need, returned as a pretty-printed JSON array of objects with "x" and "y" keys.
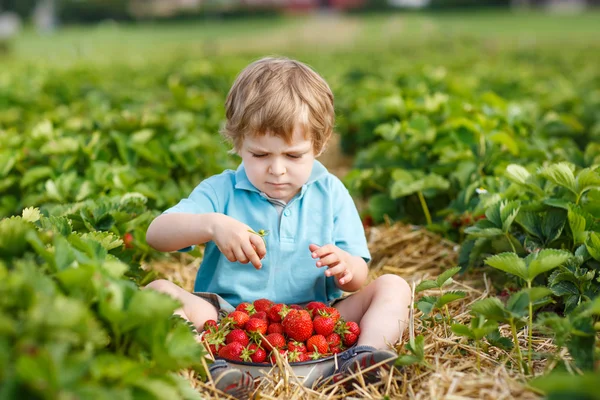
[{"x": 257, "y": 336}]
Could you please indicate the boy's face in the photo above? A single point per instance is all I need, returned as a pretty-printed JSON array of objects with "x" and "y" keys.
[{"x": 276, "y": 168}]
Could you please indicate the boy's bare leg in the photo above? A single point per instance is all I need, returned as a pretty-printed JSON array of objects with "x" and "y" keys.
[
  {"x": 380, "y": 309},
  {"x": 194, "y": 309}
]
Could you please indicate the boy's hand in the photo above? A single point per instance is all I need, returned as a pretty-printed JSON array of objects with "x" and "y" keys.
[
  {"x": 237, "y": 242},
  {"x": 335, "y": 259}
]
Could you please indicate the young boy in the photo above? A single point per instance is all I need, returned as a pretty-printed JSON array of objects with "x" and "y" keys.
[{"x": 280, "y": 116}]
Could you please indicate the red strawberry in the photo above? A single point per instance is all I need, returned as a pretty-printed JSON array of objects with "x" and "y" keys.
[
  {"x": 245, "y": 307},
  {"x": 256, "y": 325},
  {"x": 313, "y": 307},
  {"x": 128, "y": 240},
  {"x": 232, "y": 351},
  {"x": 210, "y": 325},
  {"x": 297, "y": 356},
  {"x": 254, "y": 353},
  {"x": 237, "y": 335},
  {"x": 238, "y": 319},
  {"x": 277, "y": 312},
  {"x": 351, "y": 333},
  {"x": 262, "y": 305},
  {"x": 295, "y": 307},
  {"x": 334, "y": 340},
  {"x": 261, "y": 315},
  {"x": 296, "y": 346},
  {"x": 317, "y": 343},
  {"x": 274, "y": 341},
  {"x": 353, "y": 327},
  {"x": 273, "y": 358},
  {"x": 275, "y": 328},
  {"x": 330, "y": 311},
  {"x": 324, "y": 325},
  {"x": 298, "y": 325},
  {"x": 335, "y": 349}
]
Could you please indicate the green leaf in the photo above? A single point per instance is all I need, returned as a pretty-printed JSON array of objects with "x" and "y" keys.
[
  {"x": 560, "y": 174},
  {"x": 544, "y": 261},
  {"x": 449, "y": 297},
  {"x": 491, "y": 308},
  {"x": 147, "y": 305},
  {"x": 496, "y": 339},
  {"x": 509, "y": 262},
  {"x": 577, "y": 223},
  {"x": 444, "y": 277},
  {"x": 587, "y": 179},
  {"x": 426, "y": 285},
  {"x": 462, "y": 330},
  {"x": 517, "y": 174},
  {"x": 563, "y": 385},
  {"x": 592, "y": 244}
]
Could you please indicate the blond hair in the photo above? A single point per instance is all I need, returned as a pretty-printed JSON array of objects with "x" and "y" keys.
[{"x": 275, "y": 95}]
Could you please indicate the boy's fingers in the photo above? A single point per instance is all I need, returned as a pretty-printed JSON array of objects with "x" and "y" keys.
[
  {"x": 240, "y": 256},
  {"x": 346, "y": 277},
  {"x": 251, "y": 254},
  {"x": 323, "y": 251},
  {"x": 259, "y": 245},
  {"x": 328, "y": 260},
  {"x": 228, "y": 255},
  {"x": 338, "y": 269}
]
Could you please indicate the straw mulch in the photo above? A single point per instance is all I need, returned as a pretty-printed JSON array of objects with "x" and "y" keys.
[{"x": 414, "y": 254}]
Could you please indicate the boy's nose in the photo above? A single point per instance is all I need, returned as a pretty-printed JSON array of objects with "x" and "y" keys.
[{"x": 277, "y": 168}]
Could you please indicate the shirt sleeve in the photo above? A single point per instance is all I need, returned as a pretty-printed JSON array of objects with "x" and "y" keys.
[
  {"x": 203, "y": 199},
  {"x": 348, "y": 230}
]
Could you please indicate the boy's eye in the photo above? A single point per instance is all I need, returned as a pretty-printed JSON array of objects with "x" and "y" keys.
[
  {"x": 294, "y": 155},
  {"x": 258, "y": 155}
]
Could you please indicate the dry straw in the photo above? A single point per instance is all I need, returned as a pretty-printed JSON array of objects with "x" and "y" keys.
[{"x": 414, "y": 254}]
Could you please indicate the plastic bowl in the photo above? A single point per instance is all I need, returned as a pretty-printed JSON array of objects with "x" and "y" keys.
[{"x": 307, "y": 372}]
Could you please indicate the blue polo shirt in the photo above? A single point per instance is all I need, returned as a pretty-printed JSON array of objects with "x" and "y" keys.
[{"x": 323, "y": 212}]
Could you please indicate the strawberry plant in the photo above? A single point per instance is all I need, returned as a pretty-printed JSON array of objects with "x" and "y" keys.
[{"x": 429, "y": 304}]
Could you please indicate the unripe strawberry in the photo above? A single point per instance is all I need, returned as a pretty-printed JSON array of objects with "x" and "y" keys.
[{"x": 237, "y": 335}]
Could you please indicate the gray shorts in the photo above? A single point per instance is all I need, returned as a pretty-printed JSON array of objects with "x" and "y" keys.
[{"x": 223, "y": 307}]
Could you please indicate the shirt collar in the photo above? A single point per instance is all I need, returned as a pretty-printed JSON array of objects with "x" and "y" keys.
[{"x": 242, "y": 182}]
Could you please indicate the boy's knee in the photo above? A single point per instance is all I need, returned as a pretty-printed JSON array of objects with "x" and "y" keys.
[
  {"x": 161, "y": 285},
  {"x": 393, "y": 284}
]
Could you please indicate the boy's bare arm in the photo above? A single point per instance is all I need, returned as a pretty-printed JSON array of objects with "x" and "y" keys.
[
  {"x": 236, "y": 240},
  {"x": 359, "y": 270},
  {"x": 172, "y": 232}
]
